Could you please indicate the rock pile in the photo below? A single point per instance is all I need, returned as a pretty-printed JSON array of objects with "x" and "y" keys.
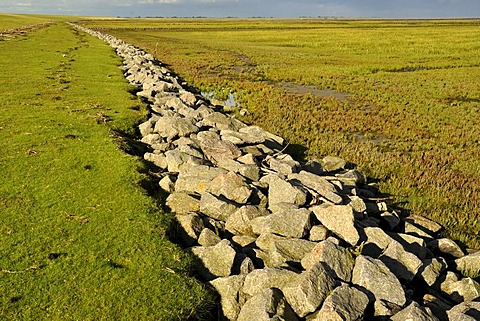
[{"x": 280, "y": 239}]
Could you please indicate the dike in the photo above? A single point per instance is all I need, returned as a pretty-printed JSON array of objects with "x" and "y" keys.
[{"x": 280, "y": 239}]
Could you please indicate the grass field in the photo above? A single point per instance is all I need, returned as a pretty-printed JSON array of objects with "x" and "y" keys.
[
  {"x": 398, "y": 98},
  {"x": 79, "y": 237}
]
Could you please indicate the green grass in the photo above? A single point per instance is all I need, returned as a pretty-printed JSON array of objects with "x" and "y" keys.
[
  {"x": 411, "y": 119},
  {"x": 11, "y": 21},
  {"x": 79, "y": 239}
]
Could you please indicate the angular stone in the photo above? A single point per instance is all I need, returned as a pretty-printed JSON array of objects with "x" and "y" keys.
[
  {"x": 229, "y": 288},
  {"x": 207, "y": 134},
  {"x": 424, "y": 223},
  {"x": 146, "y": 127},
  {"x": 195, "y": 179},
  {"x": 214, "y": 261},
  {"x": 183, "y": 203},
  {"x": 313, "y": 166},
  {"x": 247, "y": 159},
  {"x": 446, "y": 246},
  {"x": 280, "y": 191},
  {"x": 414, "y": 312},
  {"x": 152, "y": 139},
  {"x": 216, "y": 208},
  {"x": 240, "y": 138},
  {"x": 332, "y": 163},
  {"x": 376, "y": 241},
  {"x": 158, "y": 160},
  {"x": 318, "y": 233},
  {"x": 268, "y": 305},
  {"x": 293, "y": 223},
  {"x": 336, "y": 257},
  {"x": 340, "y": 220},
  {"x": 465, "y": 289},
  {"x": 375, "y": 276},
  {"x": 469, "y": 265},
  {"x": 432, "y": 269},
  {"x": 266, "y": 241},
  {"x": 344, "y": 304},
  {"x": 437, "y": 305},
  {"x": 318, "y": 184},
  {"x": 415, "y": 230},
  {"x": 391, "y": 219},
  {"x": 466, "y": 311},
  {"x": 262, "y": 279},
  {"x": 221, "y": 122},
  {"x": 232, "y": 186},
  {"x": 259, "y": 132},
  {"x": 310, "y": 289},
  {"x": 176, "y": 159},
  {"x": 168, "y": 183},
  {"x": 413, "y": 244},
  {"x": 283, "y": 164},
  {"x": 402, "y": 263},
  {"x": 239, "y": 223},
  {"x": 250, "y": 171},
  {"x": 243, "y": 241},
  {"x": 188, "y": 98},
  {"x": 285, "y": 252},
  {"x": 218, "y": 149},
  {"x": 190, "y": 150},
  {"x": 171, "y": 127},
  {"x": 208, "y": 238},
  {"x": 190, "y": 227}
]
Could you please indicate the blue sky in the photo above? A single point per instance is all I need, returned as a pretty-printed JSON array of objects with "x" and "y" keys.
[{"x": 251, "y": 8}]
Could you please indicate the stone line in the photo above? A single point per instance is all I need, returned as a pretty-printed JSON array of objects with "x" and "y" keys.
[{"x": 280, "y": 239}]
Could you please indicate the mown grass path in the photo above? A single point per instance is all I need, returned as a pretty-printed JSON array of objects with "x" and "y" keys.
[{"x": 79, "y": 239}]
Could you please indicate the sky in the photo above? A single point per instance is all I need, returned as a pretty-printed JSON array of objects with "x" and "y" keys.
[{"x": 250, "y": 8}]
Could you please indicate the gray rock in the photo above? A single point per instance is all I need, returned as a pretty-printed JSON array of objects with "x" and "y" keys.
[
  {"x": 195, "y": 179},
  {"x": 391, "y": 219},
  {"x": 176, "y": 159},
  {"x": 247, "y": 159},
  {"x": 402, "y": 263},
  {"x": 168, "y": 183},
  {"x": 446, "y": 246},
  {"x": 207, "y": 134},
  {"x": 466, "y": 311},
  {"x": 171, "y": 127},
  {"x": 413, "y": 244},
  {"x": 214, "y": 261},
  {"x": 318, "y": 184},
  {"x": 432, "y": 269},
  {"x": 285, "y": 252},
  {"x": 414, "y": 312},
  {"x": 146, "y": 127},
  {"x": 221, "y": 122},
  {"x": 437, "y": 305},
  {"x": 415, "y": 230},
  {"x": 266, "y": 241},
  {"x": 250, "y": 171},
  {"x": 232, "y": 186},
  {"x": 239, "y": 223},
  {"x": 158, "y": 160},
  {"x": 268, "y": 305},
  {"x": 313, "y": 166},
  {"x": 152, "y": 139},
  {"x": 469, "y": 265},
  {"x": 188, "y": 98},
  {"x": 240, "y": 138},
  {"x": 309, "y": 290},
  {"x": 261, "y": 279},
  {"x": 214, "y": 207},
  {"x": 293, "y": 223},
  {"x": 218, "y": 149},
  {"x": 283, "y": 164},
  {"x": 336, "y": 257},
  {"x": 340, "y": 220},
  {"x": 332, "y": 163},
  {"x": 465, "y": 289},
  {"x": 259, "y": 132},
  {"x": 318, "y": 233},
  {"x": 344, "y": 304},
  {"x": 229, "y": 290},
  {"x": 243, "y": 240},
  {"x": 190, "y": 150},
  {"x": 208, "y": 238},
  {"x": 424, "y": 223},
  {"x": 374, "y": 275},
  {"x": 183, "y": 203},
  {"x": 376, "y": 241},
  {"x": 280, "y": 191},
  {"x": 190, "y": 227}
]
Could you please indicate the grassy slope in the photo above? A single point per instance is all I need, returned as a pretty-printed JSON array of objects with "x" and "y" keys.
[
  {"x": 412, "y": 111},
  {"x": 10, "y": 21},
  {"x": 79, "y": 240}
]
